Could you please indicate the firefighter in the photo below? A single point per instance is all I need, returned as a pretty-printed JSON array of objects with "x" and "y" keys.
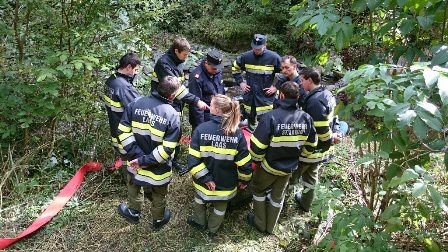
[
  {"x": 319, "y": 104},
  {"x": 219, "y": 162},
  {"x": 260, "y": 65},
  {"x": 290, "y": 73},
  {"x": 205, "y": 81},
  {"x": 149, "y": 132},
  {"x": 119, "y": 92},
  {"x": 171, "y": 64},
  {"x": 280, "y": 137}
]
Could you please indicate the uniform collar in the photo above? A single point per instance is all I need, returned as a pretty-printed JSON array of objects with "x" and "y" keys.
[
  {"x": 156, "y": 95},
  {"x": 173, "y": 55},
  {"x": 287, "y": 103},
  {"x": 215, "y": 118},
  {"x": 128, "y": 78},
  {"x": 318, "y": 89}
]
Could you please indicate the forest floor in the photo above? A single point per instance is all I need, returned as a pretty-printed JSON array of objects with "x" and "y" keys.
[{"x": 90, "y": 221}]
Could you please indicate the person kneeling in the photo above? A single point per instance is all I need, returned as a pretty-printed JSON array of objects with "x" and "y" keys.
[{"x": 219, "y": 162}]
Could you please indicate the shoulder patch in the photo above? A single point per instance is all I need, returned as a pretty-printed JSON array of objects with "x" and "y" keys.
[{"x": 196, "y": 76}]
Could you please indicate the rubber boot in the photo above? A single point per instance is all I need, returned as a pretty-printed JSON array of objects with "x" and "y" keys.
[
  {"x": 273, "y": 210},
  {"x": 305, "y": 199},
  {"x": 259, "y": 205}
]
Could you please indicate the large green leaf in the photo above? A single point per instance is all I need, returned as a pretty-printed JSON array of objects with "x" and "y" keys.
[
  {"x": 387, "y": 146},
  {"x": 420, "y": 128},
  {"x": 408, "y": 175},
  {"x": 425, "y": 21},
  {"x": 407, "y": 26},
  {"x": 431, "y": 108},
  {"x": 373, "y": 4},
  {"x": 442, "y": 84},
  {"x": 322, "y": 23},
  {"x": 429, "y": 119},
  {"x": 430, "y": 76},
  {"x": 399, "y": 142},
  {"x": 391, "y": 211},
  {"x": 386, "y": 28},
  {"x": 438, "y": 200},
  {"x": 440, "y": 55},
  {"x": 418, "y": 188},
  {"x": 408, "y": 93},
  {"x": 359, "y": 6},
  {"x": 406, "y": 118},
  {"x": 339, "y": 43}
]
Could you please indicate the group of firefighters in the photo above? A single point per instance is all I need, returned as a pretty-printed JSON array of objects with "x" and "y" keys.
[{"x": 290, "y": 116}]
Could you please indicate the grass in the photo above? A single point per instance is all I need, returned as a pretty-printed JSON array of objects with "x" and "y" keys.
[{"x": 90, "y": 221}]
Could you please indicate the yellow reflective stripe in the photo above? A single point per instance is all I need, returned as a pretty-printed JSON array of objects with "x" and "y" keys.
[
  {"x": 258, "y": 143},
  {"x": 255, "y": 155},
  {"x": 124, "y": 128},
  {"x": 197, "y": 168},
  {"x": 324, "y": 135},
  {"x": 321, "y": 123},
  {"x": 245, "y": 177},
  {"x": 306, "y": 152},
  {"x": 169, "y": 144},
  {"x": 288, "y": 138},
  {"x": 181, "y": 89},
  {"x": 154, "y": 74},
  {"x": 235, "y": 67},
  {"x": 112, "y": 103},
  {"x": 271, "y": 170},
  {"x": 264, "y": 108},
  {"x": 218, "y": 150},
  {"x": 181, "y": 78},
  {"x": 194, "y": 152},
  {"x": 214, "y": 193},
  {"x": 263, "y": 68},
  {"x": 313, "y": 144},
  {"x": 123, "y": 136},
  {"x": 320, "y": 154},
  {"x": 162, "y": 152},
  {"x": 114, "y": 140},
  {"x": 243, "y": 161},
  {"x": 144, "y": 126},
  {"x": 154, "y": 176}
]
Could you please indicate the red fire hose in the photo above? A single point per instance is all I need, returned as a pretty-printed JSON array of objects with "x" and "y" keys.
[{"x": 58, "y": 203}]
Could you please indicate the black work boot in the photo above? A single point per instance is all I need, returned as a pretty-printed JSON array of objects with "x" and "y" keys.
[
  {"x": 193, "y": 223},
  {"x": 179, "y": 168},
  {"x": 158, "y": 224},
  {"x": 129, "y": 214},
  {"x": 298, "y": 199}
]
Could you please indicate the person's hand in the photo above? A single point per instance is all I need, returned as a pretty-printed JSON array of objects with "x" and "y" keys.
[
  {"x": 244, "y": 87},
  {"x": 242, "y": 186},
  {"x": 270, "y": 90},
  {"x": 337, "y": 137},
  {"x": 211, "y": 185},
  {"x": 202, "y": 105},
  {"x": 134, "y": 164}
]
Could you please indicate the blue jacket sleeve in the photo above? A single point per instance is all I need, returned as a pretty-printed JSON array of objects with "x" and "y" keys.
[{"x": 195, "y": 87}]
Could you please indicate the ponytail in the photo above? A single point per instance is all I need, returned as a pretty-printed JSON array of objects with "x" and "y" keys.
[{"x": 230, "y": 113}]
